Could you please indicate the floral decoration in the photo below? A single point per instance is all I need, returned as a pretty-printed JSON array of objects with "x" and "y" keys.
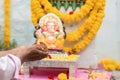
[
  {"x": 7, "y": 23},
  {"x": 93, "y": 10}
]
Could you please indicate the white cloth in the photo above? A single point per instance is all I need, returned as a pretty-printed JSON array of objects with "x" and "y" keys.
[{"x": 9, "y": 67}]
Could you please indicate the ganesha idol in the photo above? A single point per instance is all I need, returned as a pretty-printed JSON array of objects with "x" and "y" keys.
[{"x": 51, "y": 32}]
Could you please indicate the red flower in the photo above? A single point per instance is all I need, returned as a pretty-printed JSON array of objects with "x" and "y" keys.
[
  {"x": 49, "y": 56},
  {"x": 71, "y": 12},
  {"x": 51, "y": 76},
  {"x": 69, "y": 53}
]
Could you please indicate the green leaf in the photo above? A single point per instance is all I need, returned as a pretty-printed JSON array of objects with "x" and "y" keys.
[
  {"x": 44, "y": 35},
  {"x": 66, "y": 5},
  {"x": 14, "y": 43},
  {"x": 74, "y": 5},
  {"x": 57, "y": 35},
  {"x": 81, "y": 4},
  {"x": 52, "y": 2},
  {"x": 58, "y": 5},
  {"x": 1, "y": 45}
]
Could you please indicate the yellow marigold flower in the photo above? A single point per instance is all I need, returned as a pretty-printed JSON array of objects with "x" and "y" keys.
[
  {"x": 118, "y": 67},
  {"x": 62, "y": 76}
]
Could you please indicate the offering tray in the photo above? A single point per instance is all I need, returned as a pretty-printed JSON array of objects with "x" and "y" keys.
[{"x": 53, "y": 63}]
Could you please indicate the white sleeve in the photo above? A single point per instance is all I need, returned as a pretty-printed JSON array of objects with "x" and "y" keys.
[{"x": 9, "y": 67}]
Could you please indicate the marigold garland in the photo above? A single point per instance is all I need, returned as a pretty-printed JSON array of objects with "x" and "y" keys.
[
  {"x": 7, "y": 23},
  {"x": 38, "y": 11},
  {"x": 92, "y": 32},
  {"x": 93, "y": 9},
  {"x": 66, "y": 17},
  {"x": 109, "y": 65}
]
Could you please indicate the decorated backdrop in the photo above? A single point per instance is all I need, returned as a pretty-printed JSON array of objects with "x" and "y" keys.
[{"x": 105, "y": 44}]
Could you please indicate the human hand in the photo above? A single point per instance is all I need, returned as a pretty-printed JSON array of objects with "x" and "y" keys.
[
  {"x": 37, "y": 52},
  {"x": 31, "y": 53}
]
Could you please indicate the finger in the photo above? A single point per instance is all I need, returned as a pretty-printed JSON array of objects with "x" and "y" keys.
[
  {"x": 36, "y": 57},
  {"x": 41, "y": 52},
  {"x": 42, "y": 47},
  {"x": 37, "y": 54}
]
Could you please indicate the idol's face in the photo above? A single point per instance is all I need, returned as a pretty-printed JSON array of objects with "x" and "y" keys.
[{"x": 51, "y": 26}]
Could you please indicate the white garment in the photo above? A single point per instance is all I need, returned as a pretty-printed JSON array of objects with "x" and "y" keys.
[{"x": 9, "y": 67}]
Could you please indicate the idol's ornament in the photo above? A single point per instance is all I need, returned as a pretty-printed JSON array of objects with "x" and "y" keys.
[{"x": 51, "y": 32}]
